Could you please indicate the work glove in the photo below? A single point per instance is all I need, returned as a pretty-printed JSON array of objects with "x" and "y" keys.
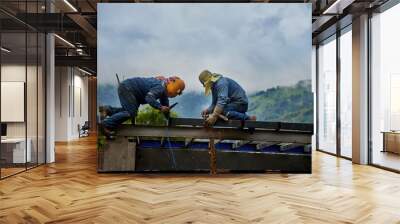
[
  {"x": 164, "y": 109},
  {"x": 205, "y": 112},
  {"x": 212, "y": 118}
]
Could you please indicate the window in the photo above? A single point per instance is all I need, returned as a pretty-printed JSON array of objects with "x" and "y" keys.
[
  {"x": 22, "y": 80},
  {"x": 314, "y": 86},
  {"x": 327, "y": 95},
  {"x": 346, "y": 93},
  {"x": 385, "y": 89}
]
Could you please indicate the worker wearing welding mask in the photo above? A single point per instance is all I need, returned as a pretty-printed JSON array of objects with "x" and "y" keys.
[
  {"x": 136, "y": 91},
  {"x": 228, "y": 98}
]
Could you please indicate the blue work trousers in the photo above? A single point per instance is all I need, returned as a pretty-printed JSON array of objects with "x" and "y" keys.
[
  {"x": 129, "y": 108},
  {"x": 235, "y": 111}
]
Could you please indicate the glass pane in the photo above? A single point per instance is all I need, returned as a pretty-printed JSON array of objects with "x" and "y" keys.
[
  {"x": 13, "y": 84},
  {"x": 386, "y": 89},
  {"x": 31, "y": 97},
  {"x": 327, "y": 96},
  {"x": 41, "y": 98},
  {"x": 314, "y": 84},
  {"x": 346, "y": 94}
]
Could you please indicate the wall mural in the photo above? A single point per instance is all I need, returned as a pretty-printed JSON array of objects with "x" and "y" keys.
[{"x": 203, "y": 84}]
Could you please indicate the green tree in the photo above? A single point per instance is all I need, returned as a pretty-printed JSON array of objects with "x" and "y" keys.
[
  {"x": 150, "y": 116},
  {"x": 146, "y": 116}
]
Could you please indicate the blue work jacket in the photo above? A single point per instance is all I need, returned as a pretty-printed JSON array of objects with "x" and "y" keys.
[
  {"x": 148, "y": 91},
  {"x": 227, "y": 91}
]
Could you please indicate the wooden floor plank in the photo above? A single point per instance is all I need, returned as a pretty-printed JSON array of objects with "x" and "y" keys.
[{"x": 71, "y": 191}]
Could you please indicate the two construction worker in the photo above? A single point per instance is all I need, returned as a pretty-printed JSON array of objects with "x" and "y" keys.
[{"x": 228, "y": 98}]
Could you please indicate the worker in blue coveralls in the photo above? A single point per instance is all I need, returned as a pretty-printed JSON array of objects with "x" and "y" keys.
[
  {"x": 136, "y": 91},
  {"x": 228, "y": 98}
]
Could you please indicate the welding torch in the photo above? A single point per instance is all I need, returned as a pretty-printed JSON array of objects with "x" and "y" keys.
[{"x": 168, "y": 114}]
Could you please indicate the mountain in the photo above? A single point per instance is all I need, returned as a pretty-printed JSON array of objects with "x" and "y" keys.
[
  {"x": 284, "y": 103},
  {"x": 281, "y": 103}
]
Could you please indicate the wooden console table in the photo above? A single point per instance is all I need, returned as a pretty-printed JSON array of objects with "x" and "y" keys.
[
  {"x": 391, "y": 141},
  {"x": 13, "y": 150}
]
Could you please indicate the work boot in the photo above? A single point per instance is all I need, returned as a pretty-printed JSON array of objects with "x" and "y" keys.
[
  {"x": 252, "y": 118},
  {"x": 108, "y": 133},
  {"x": 105, "y": 111}
]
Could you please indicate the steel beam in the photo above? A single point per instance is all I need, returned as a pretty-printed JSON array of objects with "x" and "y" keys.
[
  {"x": 220, "y": 123},
  {"x": 305, "y": 127},
  {"x": 262, "y": 145},
  {"x": 86, "y": 26},
  {"x": 216, "y": 133},
  {"x": 82, "y": 61},
  {"x": 183, "y": 160},
  {"x": 338, "y": 6},
  {"x": 288, "y": 146},
  {"x": 49, "y": 22},
  {"x": 240, "y": 143}
]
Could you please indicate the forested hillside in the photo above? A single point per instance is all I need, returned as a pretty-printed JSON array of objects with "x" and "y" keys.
[{"x": 284, "y": 103}]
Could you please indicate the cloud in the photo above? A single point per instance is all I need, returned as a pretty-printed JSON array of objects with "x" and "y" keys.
[{"x": 259, "y": 45}]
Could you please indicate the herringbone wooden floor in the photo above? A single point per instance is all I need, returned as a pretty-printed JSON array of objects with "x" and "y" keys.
[{"x": 70, "y": 191}]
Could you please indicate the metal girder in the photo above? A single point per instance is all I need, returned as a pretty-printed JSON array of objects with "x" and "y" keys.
[
  {"x": 262, "y": 145},
  {"x": 219, "y": 123},
  {"x": 86, "y": 26},
  {"x": 216, "y": 133},
  {"x": 321, "y": 22},
  {"x": 337, "y": 7},
  {"x": 240, "y": 143},
  {"x": 330, "y": 30},
  {"x": 304, "y": 127},
  {"x": 277, "y": 126},
  {"x": 8, "y": 24},
  {"x": 188, "y": 141},
  {"x": 160, "y": 160},
  {"x": 49, "y": 22},
  {"x": 288, "y": 146},
  {"x": 83, "y": 61}
]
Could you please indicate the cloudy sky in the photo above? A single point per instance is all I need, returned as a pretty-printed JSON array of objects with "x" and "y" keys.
[{"x": 259, "y": 45}]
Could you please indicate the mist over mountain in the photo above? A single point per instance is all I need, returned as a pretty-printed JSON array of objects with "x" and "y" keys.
[{"x": 282, "y": 103}]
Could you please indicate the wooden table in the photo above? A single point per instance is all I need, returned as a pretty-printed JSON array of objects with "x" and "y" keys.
[
  {"x": 391, "y": 141},
  {"x": 14, "y": 150}
]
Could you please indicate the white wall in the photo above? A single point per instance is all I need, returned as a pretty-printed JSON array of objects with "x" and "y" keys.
[
  {"x": 71, "y": 102},
  {"x": 33, "y": 127},
  {"x": 62, "y": 81},
  {"x": 12, "y": 73}
]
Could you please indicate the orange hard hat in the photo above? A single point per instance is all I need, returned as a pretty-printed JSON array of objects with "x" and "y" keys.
[{"x": 175, "y": 86}]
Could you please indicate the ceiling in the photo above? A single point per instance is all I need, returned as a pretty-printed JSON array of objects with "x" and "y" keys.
[{"x": 75, "y": 22}]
